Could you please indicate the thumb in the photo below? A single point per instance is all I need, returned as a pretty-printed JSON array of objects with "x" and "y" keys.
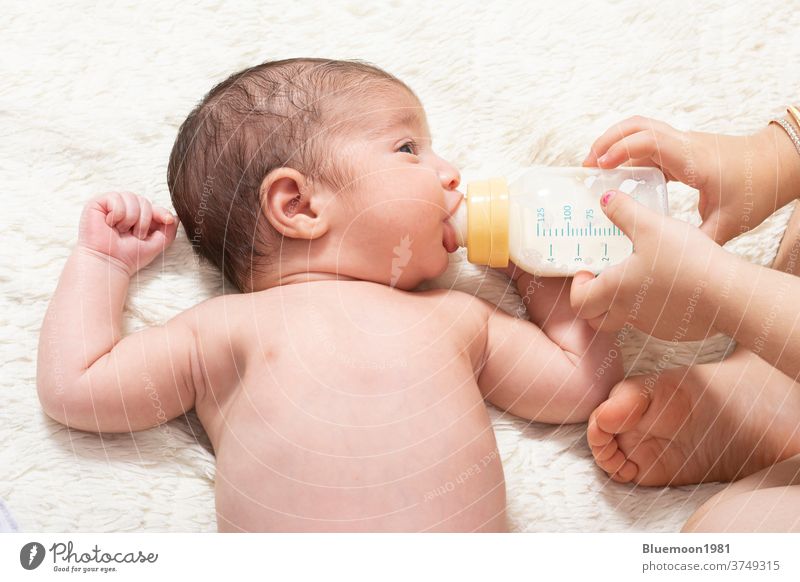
[
  {"x": 590, "y": 296},
  {"x": 626, "y": 213}
]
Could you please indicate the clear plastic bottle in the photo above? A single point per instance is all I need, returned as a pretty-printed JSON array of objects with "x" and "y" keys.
[{"x": 548, "y": 220}]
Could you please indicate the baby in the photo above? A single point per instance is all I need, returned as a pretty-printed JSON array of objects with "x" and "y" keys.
[{"x": 336, "y": 398}]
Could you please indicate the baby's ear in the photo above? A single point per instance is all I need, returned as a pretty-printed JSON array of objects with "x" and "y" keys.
[{"x": 287, "y": 203}]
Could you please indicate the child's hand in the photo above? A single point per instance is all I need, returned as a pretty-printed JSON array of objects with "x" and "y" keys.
[
  {"x": 739, "y": 177},
  {"x": 127, "y": 228},
  {"x": 663, "y": 288}
]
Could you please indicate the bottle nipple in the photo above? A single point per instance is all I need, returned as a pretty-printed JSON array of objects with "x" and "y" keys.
[{"x": 459, "y": 222}]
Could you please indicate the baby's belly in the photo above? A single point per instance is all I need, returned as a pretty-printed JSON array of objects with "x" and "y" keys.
[{"x": 389, "y": 451}]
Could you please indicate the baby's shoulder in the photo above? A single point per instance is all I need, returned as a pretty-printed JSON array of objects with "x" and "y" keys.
[
  {"x": 457, "y": 304},
  {"x": 219, "y": 313},
  {"x": 453, "y": 296}
]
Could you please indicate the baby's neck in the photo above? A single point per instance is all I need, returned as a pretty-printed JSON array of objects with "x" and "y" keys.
[{"x": 301, "y": 277}]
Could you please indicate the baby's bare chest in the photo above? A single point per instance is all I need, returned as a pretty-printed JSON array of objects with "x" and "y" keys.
[{"x": 333, "y": 373}]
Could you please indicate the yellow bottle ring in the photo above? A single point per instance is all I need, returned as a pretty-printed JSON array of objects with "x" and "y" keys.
[{"x": 487, "y": 222}]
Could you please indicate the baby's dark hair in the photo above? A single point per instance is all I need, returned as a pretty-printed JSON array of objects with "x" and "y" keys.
[{"x": 283, "y": 113}]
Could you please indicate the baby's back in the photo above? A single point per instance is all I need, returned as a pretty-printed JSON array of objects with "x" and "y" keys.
[{"x": 349, "y": 406}]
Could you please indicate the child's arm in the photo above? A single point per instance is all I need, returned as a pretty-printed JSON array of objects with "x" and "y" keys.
[
  {"x": 88, "y": 376},
  {"x": 554, "y": 369}
]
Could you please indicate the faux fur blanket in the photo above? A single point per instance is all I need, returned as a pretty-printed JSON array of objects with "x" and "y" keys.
[{"x": 91, "y": 100}]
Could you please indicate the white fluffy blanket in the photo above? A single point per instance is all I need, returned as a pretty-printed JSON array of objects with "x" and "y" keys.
[{"x": 91, "y": 100}]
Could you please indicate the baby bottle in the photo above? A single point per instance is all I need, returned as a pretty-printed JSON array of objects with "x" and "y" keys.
[{"x": 548, "y": 220}]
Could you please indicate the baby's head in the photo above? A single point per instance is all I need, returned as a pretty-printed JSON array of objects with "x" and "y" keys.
[{"x": 313, "y": 168}]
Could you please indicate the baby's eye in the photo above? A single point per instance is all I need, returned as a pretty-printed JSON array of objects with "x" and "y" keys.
[{"x": 412, "y": 147}]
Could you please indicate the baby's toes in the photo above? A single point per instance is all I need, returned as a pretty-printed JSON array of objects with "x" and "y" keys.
[
  {"x": 624, "y": 409},
  {"x": 605, "y": 452},
  {"x": 611, "y": 459},
  {"x": 596, "y": 436},
  {"x": 613, "y": 463},
  {"x": 626, "y": 473}
]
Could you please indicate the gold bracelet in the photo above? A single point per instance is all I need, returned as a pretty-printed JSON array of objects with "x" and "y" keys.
[
  {"x": 787, "y": 127},
  {"x": 795, "y": 114}
]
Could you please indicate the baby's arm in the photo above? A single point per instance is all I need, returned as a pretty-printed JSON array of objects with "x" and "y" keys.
[
  {"x": 88, "y": 376},
  {"x": 554, "y": 369}
]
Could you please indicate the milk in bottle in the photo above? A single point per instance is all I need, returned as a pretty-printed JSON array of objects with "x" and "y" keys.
[{"x": 548, "y": 220}]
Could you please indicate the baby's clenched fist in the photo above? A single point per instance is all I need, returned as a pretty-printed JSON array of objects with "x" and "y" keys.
[{"x": 127, "y": 228}]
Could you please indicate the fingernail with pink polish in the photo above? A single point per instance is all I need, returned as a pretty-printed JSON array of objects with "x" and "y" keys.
[{"x": 606, "y": 197}]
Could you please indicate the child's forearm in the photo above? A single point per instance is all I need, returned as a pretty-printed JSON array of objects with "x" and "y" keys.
[
  {"x": 758, "y": 308},
  {"x": 84, "y": 319}
]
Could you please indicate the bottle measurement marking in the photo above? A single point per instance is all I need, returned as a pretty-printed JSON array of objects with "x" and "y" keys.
[
  {"x": 569, "y": 230},
  {"x": 588, "y": 241}
]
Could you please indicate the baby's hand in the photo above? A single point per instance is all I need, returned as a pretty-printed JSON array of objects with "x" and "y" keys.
[
  {"x": 126, "y": 228},
  {"x": 736, "y": 175}
]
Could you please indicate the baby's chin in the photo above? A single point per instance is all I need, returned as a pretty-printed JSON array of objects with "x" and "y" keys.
[
  {"x": 437, "y": 264},
  {"x": 412, "y": 276}
]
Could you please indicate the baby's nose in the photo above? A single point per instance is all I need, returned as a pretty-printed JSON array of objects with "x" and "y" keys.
[{"x": 449, "y": 176}]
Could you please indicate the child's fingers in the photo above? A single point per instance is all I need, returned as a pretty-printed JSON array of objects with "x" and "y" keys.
[
  {"x": 591, "y": 297},
  {"x": 643, "y": 144},
  {"x": 663, "y": 150},
  {"x": 162, "y": 235},
  {"x": 142, "y": 226},
  {"x": 131, "y": 211},
  {"x": 162, "y": 215},
  {"x": 613, "y": 134},
  {"x": 114, "y": 207},
  {"x": 171, "y": 230},
  {"x": 621, "y": 130}
]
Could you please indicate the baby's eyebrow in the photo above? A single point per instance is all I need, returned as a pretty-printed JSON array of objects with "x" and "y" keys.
[{"x": 406, "y": 117}]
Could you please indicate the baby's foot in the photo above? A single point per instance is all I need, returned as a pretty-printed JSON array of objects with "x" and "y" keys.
[{"x": 708, "y": 422}]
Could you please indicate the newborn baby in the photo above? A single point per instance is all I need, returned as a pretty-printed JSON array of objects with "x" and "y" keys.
[{"x": 336, "y": 398}]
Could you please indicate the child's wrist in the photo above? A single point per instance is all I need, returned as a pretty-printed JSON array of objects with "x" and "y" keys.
[
  {"x": 116, "y": 265},
  {"x": 724, "y": 278},
  {"x": 783, "y": 160}
]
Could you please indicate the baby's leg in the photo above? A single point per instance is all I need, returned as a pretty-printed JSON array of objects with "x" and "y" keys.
[{"x": 767, "y": 501}]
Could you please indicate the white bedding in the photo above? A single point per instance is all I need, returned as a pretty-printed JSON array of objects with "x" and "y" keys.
[{"x": 91, "y": 99}]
